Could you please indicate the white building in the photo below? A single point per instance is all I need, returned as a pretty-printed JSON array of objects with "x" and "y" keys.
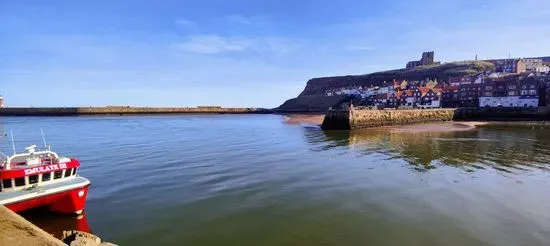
[
  {"x": 536, "y": 65},
  {"x": 510, "y": 101},
  {"x": 542, "y": 69},
  {"x": 432, "y": 104},
  {"x": 409, "y": 101},
  {"x": 1, "y": 102}
]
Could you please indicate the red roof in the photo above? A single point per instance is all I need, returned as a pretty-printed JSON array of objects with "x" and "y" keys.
[{"x": 423, "y": 91}]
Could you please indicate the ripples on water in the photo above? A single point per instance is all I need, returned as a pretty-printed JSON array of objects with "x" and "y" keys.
[{"x": 253, "y": 180}]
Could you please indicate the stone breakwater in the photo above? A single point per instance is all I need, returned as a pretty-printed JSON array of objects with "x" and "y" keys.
[
  {"x": 70, "y": 111},
  {"x": 346, "y": 119}
]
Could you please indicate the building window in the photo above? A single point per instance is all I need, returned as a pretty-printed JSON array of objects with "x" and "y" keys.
[
  {"x": 523, "y": 87},
  {"x": 46, "y": 177},
  {"x": 532, "y": 92},
  {"x": 33, "y": 179},
  {"x": 511, "y": 93},
  {"x": 20, "y": 181},
  {"x": 6, "y": 183},
  {"x": 511, "y": 87}
]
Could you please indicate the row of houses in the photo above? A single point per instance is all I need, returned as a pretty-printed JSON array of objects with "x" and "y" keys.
[
  {"x": 419, "y": 97},
  {"x": 508, "y": 91},
  {"x": 480, "y": 90}
]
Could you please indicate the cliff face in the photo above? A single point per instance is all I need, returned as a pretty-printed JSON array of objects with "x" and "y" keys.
[
  {"x": 310, "y": 103},
  {"x": 318, "y": 86},
  {"x": 313, "y": 96}
]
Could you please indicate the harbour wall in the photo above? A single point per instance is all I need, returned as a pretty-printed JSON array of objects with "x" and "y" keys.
[
  {"x": 355, "y": 118},
  {"x": 503, "y": 114},
  {"x": 71, "y": 111},
  {"x": 349, "y": 119}
]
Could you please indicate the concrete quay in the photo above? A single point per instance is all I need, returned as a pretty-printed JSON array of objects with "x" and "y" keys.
[
  {"x": 349, "y": 119},
  {"x": 123, "y": 110},
  {"x": 363, "y": 117}
]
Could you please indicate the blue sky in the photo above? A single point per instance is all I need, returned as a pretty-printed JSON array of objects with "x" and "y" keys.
[{"x": 239, "y": 53}]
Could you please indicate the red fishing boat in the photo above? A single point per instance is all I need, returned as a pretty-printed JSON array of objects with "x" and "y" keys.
[{"x": 35, "y": 179}]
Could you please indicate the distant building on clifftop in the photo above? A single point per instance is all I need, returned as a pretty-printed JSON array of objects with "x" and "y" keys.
[
  {"x": 1, "y": 102},
  {"x": 427, "y": 59},
  {"x": 516, "y": 66}
]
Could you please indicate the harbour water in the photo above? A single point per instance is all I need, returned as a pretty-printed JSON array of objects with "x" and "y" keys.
[{"x": 254, "y": 180}]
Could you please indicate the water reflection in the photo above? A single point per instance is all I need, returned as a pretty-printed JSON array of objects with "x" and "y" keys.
[
  {"x": 55, "y": 224},
  {"x": 504, "y": 149}
]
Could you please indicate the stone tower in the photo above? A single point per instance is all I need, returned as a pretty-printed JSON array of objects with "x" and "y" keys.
[{"x": 427, "y": 58}]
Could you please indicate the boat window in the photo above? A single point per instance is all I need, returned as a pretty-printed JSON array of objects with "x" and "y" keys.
[
  {"x": 33, "y": 179},
  {"x": 6, "y": 183},
  {"x": 74, "y": 171},
  {"x": 57, "y": 174},
  {"x": 20, "y": 181},
  {"x": 67, "y": 173},
  {"x": 46, "y": 177}
]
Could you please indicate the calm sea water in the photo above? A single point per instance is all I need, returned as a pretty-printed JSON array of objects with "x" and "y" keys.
[{"x": 253, "y": 180}]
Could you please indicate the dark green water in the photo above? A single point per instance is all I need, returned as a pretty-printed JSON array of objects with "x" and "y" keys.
[{"x": 253, "y": 180}]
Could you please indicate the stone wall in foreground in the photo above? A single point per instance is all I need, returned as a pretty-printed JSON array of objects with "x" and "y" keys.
[
  {"x": 17, "y": 231},
  {"x": 344, "y": 119}
]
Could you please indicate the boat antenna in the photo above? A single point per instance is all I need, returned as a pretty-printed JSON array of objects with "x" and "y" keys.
[
  {"x": 12, "y": 142},
  {"x": 43, "y": 138}
]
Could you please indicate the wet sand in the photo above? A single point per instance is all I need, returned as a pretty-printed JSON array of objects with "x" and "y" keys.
[
  {"x": 449, "y": 126},
  {"x": 296, "y": 119}
]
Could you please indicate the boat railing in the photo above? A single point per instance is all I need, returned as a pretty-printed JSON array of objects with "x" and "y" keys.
[{"x": 25, "y": 158}]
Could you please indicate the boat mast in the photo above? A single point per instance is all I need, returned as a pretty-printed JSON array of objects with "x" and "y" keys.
[
  {"x": 12, "y": 142},
  {"x": 44, "y": 139}
]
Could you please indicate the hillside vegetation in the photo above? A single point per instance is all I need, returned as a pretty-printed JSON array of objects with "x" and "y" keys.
[
  {"x": 440, "y": 72},
  {"x": 313, "y": 96}
]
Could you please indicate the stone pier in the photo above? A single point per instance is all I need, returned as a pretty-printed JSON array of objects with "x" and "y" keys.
[
  {"x": 349, "y": 119},
  {"x": 123, "y": 110}
]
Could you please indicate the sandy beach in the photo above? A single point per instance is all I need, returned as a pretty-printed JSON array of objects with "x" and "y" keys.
[
  {"x": 449, "y": 126},
  {"x": 295, "y": 119}
]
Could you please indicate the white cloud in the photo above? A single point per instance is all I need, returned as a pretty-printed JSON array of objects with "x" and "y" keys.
[
  {"x": 214, "y": 44},
  {"x": 238, "y": 19},
  {"x": 184, "y": 22},
  {"x": 360, "y": 48}
]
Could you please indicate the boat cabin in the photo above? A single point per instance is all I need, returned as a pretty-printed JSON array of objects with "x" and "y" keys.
[{"x": 33, "y": 168}]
